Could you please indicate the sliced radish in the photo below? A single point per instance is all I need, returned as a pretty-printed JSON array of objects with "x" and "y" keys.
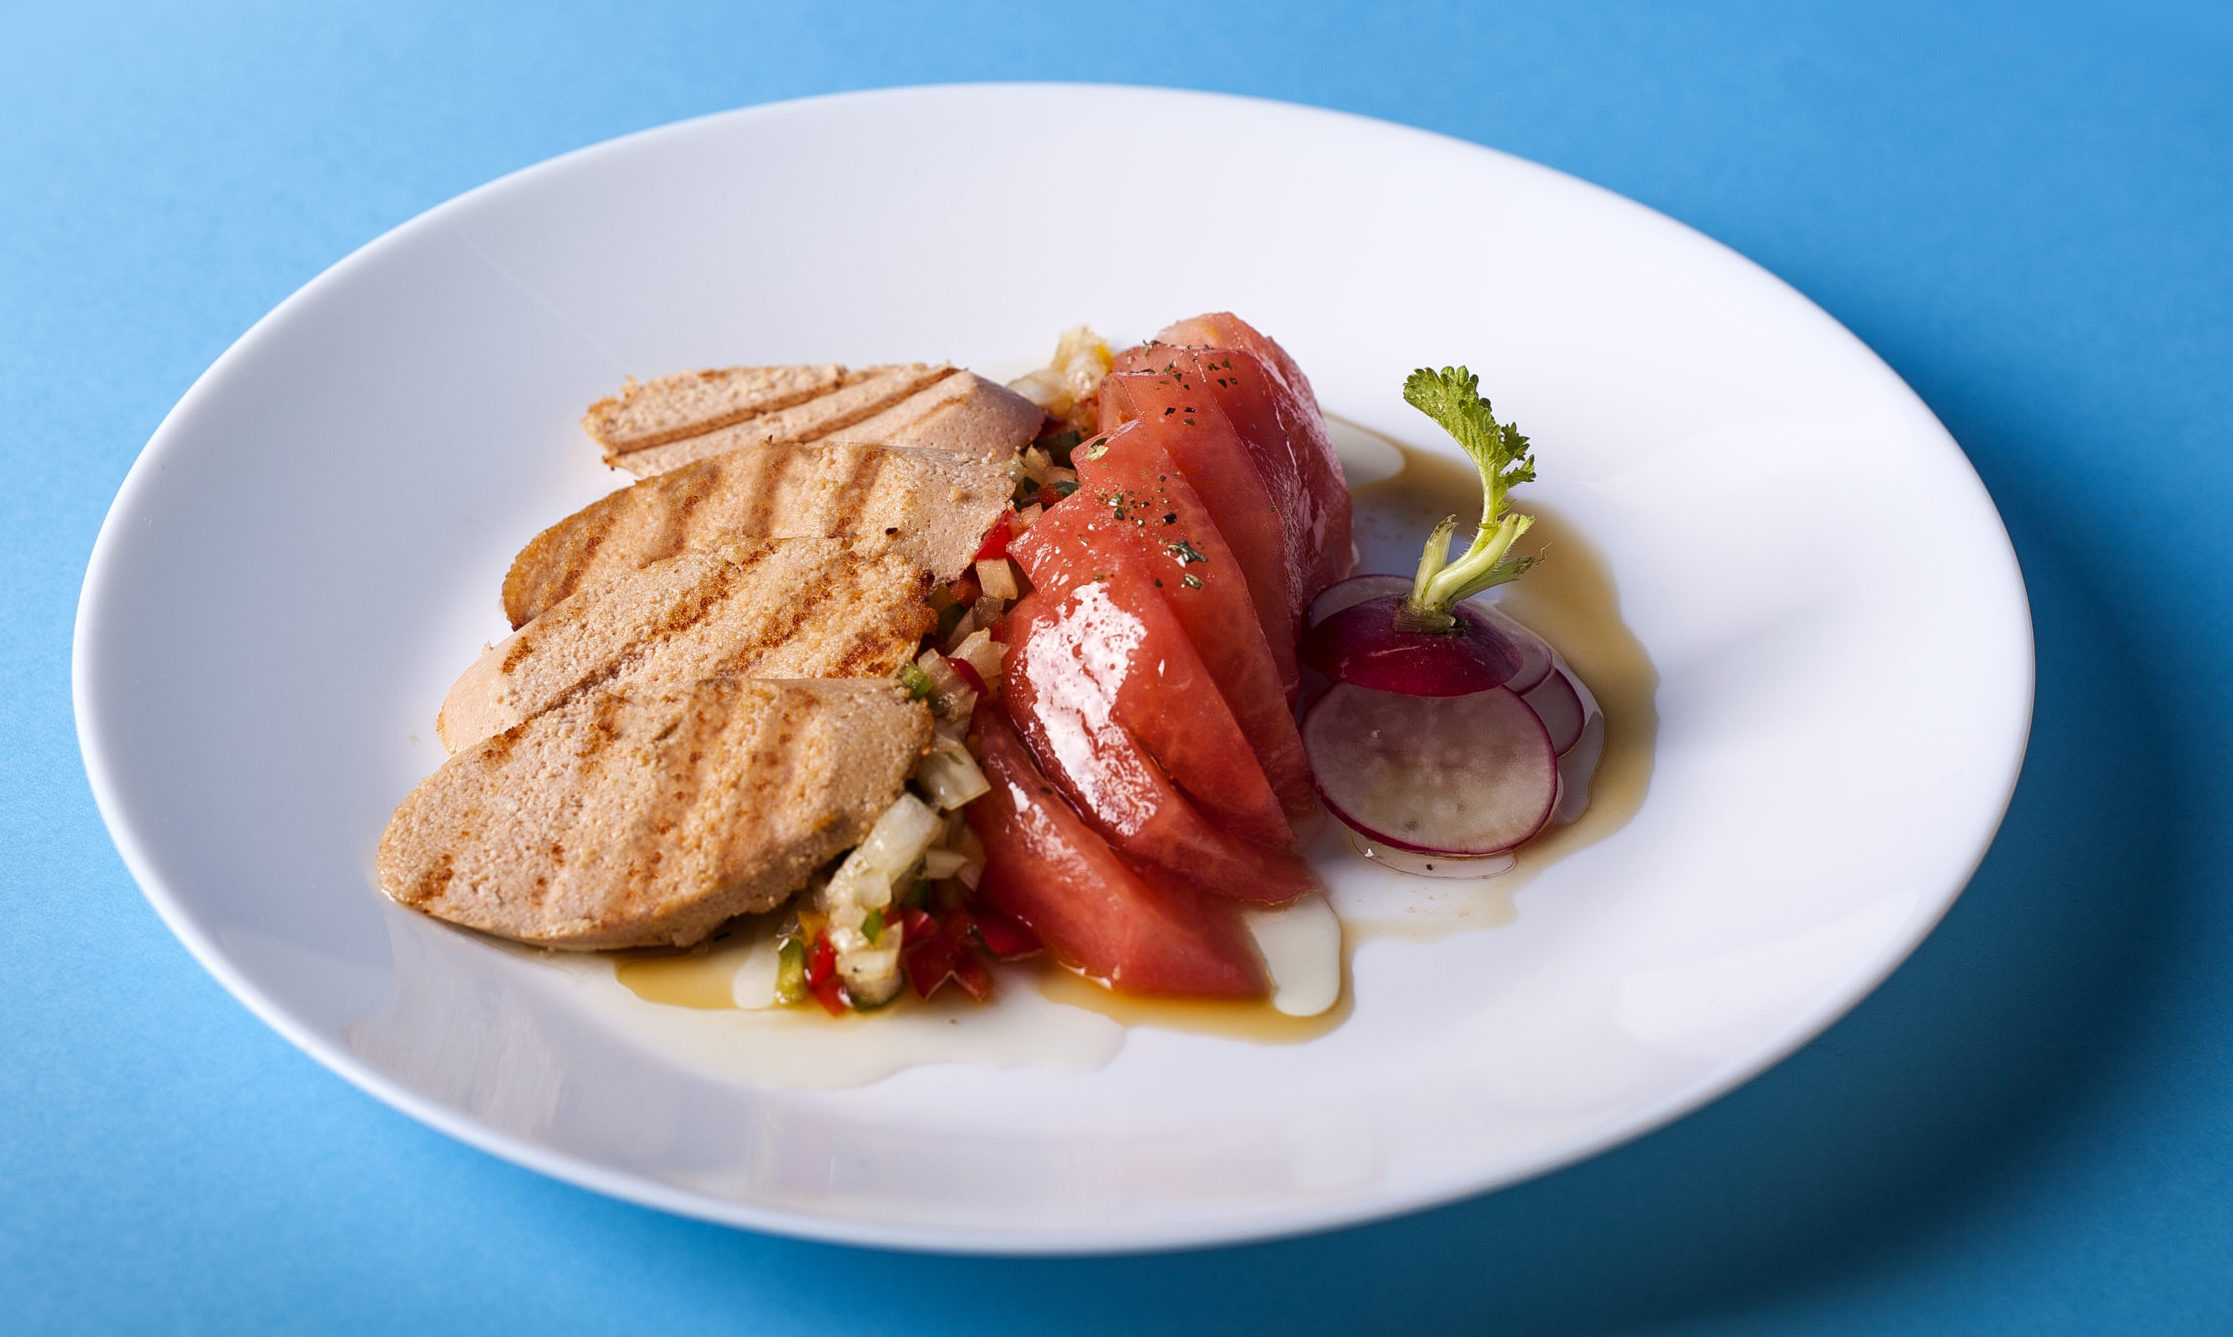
[
  {"x": 1364, "y": 644},
  {"x": 1536, "y": 655},
  {"x": 1433, "y": 865},
  {"x": 1461, "y": 775},
  {"x": 1576, "y": 769},
  {"x": 1355, "y": 590},
  {"x": 1555, "y": 701},
  {"x": 1589, "y": 701}
]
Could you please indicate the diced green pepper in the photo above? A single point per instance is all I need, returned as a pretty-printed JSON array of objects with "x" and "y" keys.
[{"x": 790, "y": 971}]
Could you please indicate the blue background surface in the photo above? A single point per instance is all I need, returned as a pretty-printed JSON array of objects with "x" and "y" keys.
[{"x": 2028, "y": 212}]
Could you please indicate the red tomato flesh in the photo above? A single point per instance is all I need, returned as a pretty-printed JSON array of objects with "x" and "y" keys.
[
  {"x": 1047, "y": 868},
  {"x": 1133, "y": 495},
  {"x": 1109, "y": 671},
  {"x": 1264, "y": 373},
  {"x": 1214, "y": 459}
]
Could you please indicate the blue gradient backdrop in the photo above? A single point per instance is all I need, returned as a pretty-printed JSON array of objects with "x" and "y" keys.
[{"x": 2028, "y": 211}]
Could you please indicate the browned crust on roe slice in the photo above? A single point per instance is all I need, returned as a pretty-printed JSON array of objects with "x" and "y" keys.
[
  {"x": 651, "y": 817},
  {"x": 927, "y": 505},
  {"x": 856, "y": 396},
  {"x": 793, "y": 608},
  {"x": 694, "y": 402},
  {"x": 664, "y": 424}
]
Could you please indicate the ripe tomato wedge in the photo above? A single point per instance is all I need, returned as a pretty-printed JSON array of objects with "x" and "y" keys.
[
  {"x": 1106, "y": 662},
  {"x": 1263, "y": 374},
  {"x": 1047, "y": 868},
  {"x": 1212, "y": 457},
  {"x": 1125, "y": 796},
  {"x": 1133, "y": 495}
]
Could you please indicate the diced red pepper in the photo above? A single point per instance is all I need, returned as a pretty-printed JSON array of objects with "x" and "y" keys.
[
  {"x": 830, "y": 993},
  {"x": 821, "y": 961},
  {"x": 996, "y": 538},
  {"x": 929, "y": 961},
  {"x": 1003, "y": 935},
  {"x": 974, "y": 976}
]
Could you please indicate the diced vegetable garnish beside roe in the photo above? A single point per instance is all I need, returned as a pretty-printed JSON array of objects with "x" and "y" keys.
[
  {"x": 1045, "y": 867},
  {"x": 996, "y": 538},
  {"x": 1110, "y": 651},
  {"x": 1134, "y": 495},
  {"x": 1305, "y": 427},
  {"x": 1211, "y": 455}
]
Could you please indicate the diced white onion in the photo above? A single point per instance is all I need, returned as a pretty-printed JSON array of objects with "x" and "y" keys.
[
  {"x": 871, "y": 974},
  {"x": 1081, "y": 359},
  {"x": 940, "y": 864},
  {"x": 894, "y": 846},
  {"x": 997, "y": 576},
  {"x": 983, "y": 654},
  {"x": 955, "y": 698},
  {"x": 973, "y": 850},
  {"x": 950, "y": 776},
  {"x": 1045, "y": 388}
]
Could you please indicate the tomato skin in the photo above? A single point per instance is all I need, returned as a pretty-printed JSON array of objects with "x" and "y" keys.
[
  {"x": 1108, "y": 671},
  {"x": 1133, "y": 496},
  {"x": 1260, "y": 377},
  {"x": 1212, "y": 457},
  {"x": 1045, "y": 867},
  {"x": 1271, "y": 405}
]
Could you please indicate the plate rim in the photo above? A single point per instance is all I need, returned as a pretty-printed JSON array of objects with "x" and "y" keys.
[{"x": 1224, "y": 1229}]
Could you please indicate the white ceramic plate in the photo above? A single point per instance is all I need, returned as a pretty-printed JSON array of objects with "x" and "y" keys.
[{"x": 310, "y": 547}]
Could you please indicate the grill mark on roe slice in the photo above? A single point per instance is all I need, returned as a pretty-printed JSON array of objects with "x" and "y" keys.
[
  {"x": 678, "y": 779},
  {"x": 755, "y": 519},
  {"x": 868, "y": 469},
  {"x": 820, "y": 592},
  {"x": 904, "y": 385},
  {"x": 774, "y": 403},
  {"x": 692, "y": 489},
  {"x": 690, "y": 610},
  {"x": 432, "y": 883}
]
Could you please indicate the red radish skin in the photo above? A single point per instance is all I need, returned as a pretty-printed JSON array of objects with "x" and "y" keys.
[
  {"x": 1536, "y": 656},
  {"x": 1559, "y": 706},
  {"x": 1458, "y": 775},
  {"x": 1362, "y": 644},
  {"x": 1355, "y": 590},
  {"x": 1047, "y": 869}
]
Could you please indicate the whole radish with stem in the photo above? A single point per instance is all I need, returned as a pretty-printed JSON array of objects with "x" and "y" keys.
[{"x": 1445, "y": 726}]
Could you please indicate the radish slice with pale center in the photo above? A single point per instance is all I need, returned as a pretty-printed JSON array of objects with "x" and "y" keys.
[
  {"x": 1559, "y": 706},
  {"x": 1355, "y": 590},
  {"x": 1464, "y": 775}
]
